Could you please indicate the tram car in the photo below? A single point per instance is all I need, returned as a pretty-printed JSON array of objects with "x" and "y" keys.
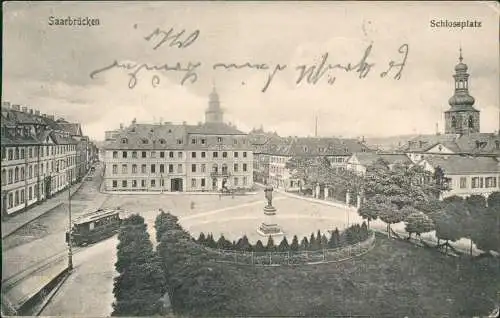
[{"x": 94, "y": 227}]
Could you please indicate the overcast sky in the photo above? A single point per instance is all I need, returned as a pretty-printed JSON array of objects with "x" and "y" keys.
[{"x": 48, "y": 67}]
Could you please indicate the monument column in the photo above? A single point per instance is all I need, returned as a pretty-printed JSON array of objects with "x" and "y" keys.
[{"x": 269, "y": 227}]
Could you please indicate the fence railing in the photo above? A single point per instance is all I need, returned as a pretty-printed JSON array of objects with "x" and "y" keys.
[{"x": 296, "y": 257}]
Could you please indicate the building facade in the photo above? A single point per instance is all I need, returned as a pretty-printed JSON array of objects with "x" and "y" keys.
[
  {"x": 38, "y": 158},
  {"x": 466, "y": 175},
  {"x": 336, "y": 150},
  {"x": 168, "y": 157}
]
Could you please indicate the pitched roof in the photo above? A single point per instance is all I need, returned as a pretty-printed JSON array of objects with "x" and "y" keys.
[
  {"x": 478, "y": 143},
  {"x": 172, "y": 136},
  {"x": 369, "y": 158},
  {"x": 464, "y": 165},
  {"x": 213, "y": 129},
  {"x": 73, "y": 129},
  {"x": 312, "y": 146}
]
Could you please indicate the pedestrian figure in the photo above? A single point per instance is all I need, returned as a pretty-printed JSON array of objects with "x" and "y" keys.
[{"x": 192, "y": 205}]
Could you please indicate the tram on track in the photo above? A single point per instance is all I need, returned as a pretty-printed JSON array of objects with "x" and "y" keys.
[{"x": 94, "y": 227}]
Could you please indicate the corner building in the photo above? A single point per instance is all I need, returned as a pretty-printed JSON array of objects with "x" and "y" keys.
[{"x": 168, "y": 157}]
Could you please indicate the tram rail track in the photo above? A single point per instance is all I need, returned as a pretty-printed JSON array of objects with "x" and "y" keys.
[{"x": 16, "y": 278}]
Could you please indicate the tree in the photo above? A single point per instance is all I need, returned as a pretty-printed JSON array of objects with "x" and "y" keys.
[
  {"x": 140, "y": 285},
  {"x": 259, "y": 247},
  {"x": 270, "y": 244},
  {"x": 369, "y": 210},
  {"x": 313, "y": 243},
  {"x": 448, "y": 222},
  {"x": 494, "y": 200},
  {"x": 223, "y": 244},
  {"x": 390, "y": 190},
  {"x": 164, "y": 222},
  {"x": 201, "y": 239},
  {"x": 210, "y": 242},
  {"x": 243, "y": 244},
  {"x": 318, "y": 240},
  {"x": 417, "y": 222},
  {"x": 324, "y": 241},
  {"x": 486, "y": 222},
  {"x": 295, "y": 244},
  {"x": 284, "y": 246},
  {"x": 334, "y": 239},
  {"x": 304, "y": 244}
]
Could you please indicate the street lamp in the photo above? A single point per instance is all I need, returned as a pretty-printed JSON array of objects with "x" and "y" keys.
[{"x": 70, "y": 252}]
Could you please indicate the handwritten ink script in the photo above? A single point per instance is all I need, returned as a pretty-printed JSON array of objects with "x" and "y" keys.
[{"x": 312, "y": 74}]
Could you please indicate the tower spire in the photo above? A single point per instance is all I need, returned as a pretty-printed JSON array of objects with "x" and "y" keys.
[{"x": 460, "y": 58}]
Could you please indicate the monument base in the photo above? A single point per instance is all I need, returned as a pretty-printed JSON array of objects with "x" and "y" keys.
[
  {"x": 269, "y": 230},
  {"x": 269, "y": 210}
]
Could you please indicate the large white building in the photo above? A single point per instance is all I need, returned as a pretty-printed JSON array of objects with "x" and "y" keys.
[{"x": 172, "y": 157}]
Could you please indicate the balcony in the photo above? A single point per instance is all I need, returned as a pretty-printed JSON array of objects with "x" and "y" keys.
[{"x": 220, "y": 174}]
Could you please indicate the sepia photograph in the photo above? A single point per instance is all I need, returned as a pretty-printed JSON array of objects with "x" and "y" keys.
[{"x": 250, "y": 159}]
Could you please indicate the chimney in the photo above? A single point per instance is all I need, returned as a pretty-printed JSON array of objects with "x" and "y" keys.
[
  {"x": 16, "y": 107},
  {"x": 121, "y": 126},
  {"x": 184, "y": 123},
  {"x": 31, "y": 111},
  {"x": 25, "y": 109},
  {"x": 50, "y": 117},
  {"x": 44, "y": 115},
  {"x": 6, "y": 105},
  {"x": 37, "y": 112}
]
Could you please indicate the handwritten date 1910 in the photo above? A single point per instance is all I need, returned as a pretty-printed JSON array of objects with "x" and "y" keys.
[{"x": 174, "y": 38}]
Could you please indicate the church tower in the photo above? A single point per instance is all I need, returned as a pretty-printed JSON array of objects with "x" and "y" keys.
[
  {"x": 214, "y": 113},
  {"x": 462, "y": 117}
]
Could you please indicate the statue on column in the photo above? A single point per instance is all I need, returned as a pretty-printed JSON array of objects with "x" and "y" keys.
[{"x": 269, "y": 197}]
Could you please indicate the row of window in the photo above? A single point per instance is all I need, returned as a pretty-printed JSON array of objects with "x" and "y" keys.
[
  {"x": 17, "y": 197},
  {"x": 16, "y": 153},
  {"x": 171, "y": 154},
  {"x": 179, "y": 141},
  {"x": 194, "y": 168},
  {"x": 16, "y": 174},
  {"x": 479, "y": 182},
  {"x": 153, "y": 183}
]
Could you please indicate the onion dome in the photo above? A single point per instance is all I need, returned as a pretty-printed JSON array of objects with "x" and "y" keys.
[
  {"x": 461, "y": 100},
  {"x": 461, "y": 67}
]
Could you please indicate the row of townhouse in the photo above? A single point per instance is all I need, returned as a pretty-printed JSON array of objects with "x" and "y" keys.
[
  {"x": 465, "y": 174},
  {"x": 272, "y": 156},
  {"x": 39, "y": 157},
  {"x": 168, "y": 157}
]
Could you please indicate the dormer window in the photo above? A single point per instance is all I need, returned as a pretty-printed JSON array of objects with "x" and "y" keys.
[
  {"x": 219, "y": 139},
  {"x": 305, "y": 149},
  {"x": 193, "y": 141},
  {"x": 203, "y": 141},
  {"x": 124, "y": 141},
  {"x": 179, "y": 141},
  {"x": 162, "y": 141}
]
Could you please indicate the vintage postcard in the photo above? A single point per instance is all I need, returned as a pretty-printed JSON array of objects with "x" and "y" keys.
[{"x": 260, "y": 159}]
